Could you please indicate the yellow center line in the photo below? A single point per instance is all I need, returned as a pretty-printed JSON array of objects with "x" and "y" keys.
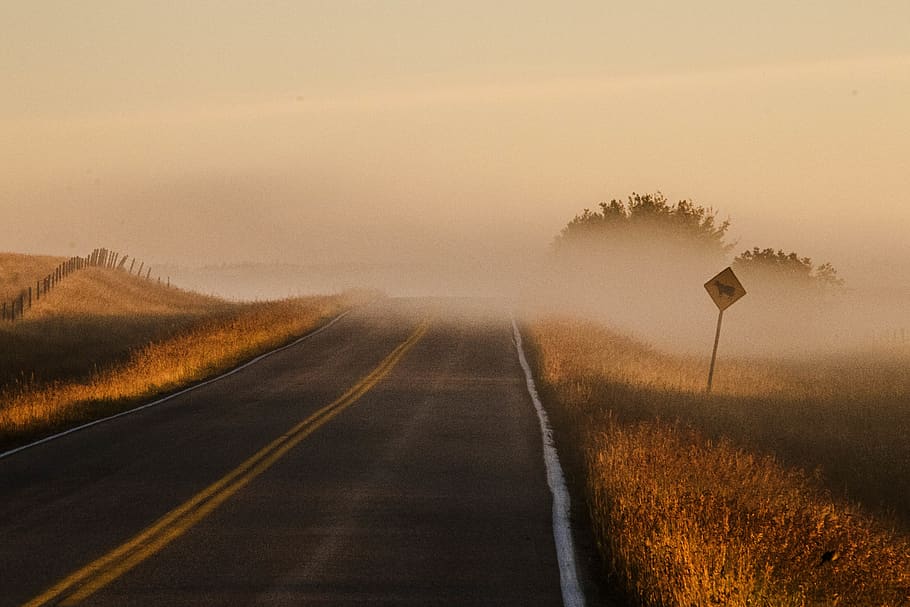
[{"x": 81, "y": 584}]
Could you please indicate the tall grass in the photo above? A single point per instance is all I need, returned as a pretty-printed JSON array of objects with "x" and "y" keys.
[
  {"x": 94, "y": 319},
  {"x": 736, "y": 498},
  {"x": 162, "y": 341},
  {"x": 18, "y": 271}
]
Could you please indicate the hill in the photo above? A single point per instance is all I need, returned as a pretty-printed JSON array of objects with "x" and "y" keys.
[
  {"x": 106, "y": 292},
  {"x": 93, "y": 318},
  {"x": 105, "y": 340},
  {"x": 18, "y": 271}
]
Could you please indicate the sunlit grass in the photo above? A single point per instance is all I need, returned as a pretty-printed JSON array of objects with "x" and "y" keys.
[
  {"x": 18, "y": 272},
  {"x": 702, "y": 500},
  {"x": 132, "y": 341}
]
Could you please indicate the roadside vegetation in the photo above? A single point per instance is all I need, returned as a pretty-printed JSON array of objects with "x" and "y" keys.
[
  {"x": 105, "y": 341},
  {"x": 785, "y": 486}
]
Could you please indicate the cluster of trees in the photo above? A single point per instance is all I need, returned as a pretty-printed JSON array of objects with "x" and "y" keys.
[
  {"x": 788, "y": 267},
  {"x": 647, "y": 215},
  {"x": 651, "y": 218}
]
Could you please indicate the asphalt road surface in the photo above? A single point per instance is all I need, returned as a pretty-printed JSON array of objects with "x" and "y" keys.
[{"x": 394, "y": 459}]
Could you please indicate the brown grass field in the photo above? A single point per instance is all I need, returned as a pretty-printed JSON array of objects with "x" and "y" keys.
[
  {"x": 787, "y": 486},
  {"x": 18, "y": 271},
  {"x": 103, "y": 341}
]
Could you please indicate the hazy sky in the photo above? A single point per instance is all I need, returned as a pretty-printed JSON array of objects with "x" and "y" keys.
[{"x": 320, "y": 131}]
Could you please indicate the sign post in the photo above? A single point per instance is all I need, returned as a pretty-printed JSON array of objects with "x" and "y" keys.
[{"x": 725, "y": 290}]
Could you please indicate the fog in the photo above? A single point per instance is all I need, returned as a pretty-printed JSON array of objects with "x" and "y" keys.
[
  {"x": 438, "y": 148},
  {"x": 649, "y": 290}
]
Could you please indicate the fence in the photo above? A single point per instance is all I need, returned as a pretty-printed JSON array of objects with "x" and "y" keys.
[{"x": 99, "y": 258}]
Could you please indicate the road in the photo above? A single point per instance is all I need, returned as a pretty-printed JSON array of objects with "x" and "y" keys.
[{"x": 394, "y": 458}]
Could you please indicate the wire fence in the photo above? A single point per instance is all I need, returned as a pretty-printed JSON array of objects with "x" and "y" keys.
[{"x": 99, "y": 258}]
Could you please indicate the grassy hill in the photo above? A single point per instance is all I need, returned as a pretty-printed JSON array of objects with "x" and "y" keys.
[
  {"x": 18, "y": 271},
  {"x": 104, "y": 340},
  {"x": 93, "y": 318}
]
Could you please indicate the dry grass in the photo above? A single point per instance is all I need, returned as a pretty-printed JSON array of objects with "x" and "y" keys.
[
  {"x": 94, "y": 319},
  {"x": 19, "y": 271},
  {"x": 699, "y": 500},
  {"x": 103, "y": 341}
]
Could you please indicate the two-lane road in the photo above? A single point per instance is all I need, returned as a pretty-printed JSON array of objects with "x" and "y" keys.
[{"x": 394, "y": 458}]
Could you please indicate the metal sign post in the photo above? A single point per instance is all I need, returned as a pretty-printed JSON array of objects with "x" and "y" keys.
[{"x": 725, "y": 290}]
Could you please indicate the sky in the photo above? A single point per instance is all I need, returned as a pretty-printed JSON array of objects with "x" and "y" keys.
[{"x": 388, "y": 131}]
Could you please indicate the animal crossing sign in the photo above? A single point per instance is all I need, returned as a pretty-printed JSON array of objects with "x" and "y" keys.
[{"x": 725, "y": 289}]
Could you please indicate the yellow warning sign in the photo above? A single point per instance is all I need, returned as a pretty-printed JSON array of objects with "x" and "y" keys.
[{"x": 725, "y": 289}]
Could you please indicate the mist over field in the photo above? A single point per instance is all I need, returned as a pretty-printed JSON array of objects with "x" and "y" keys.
[
  {"x": 649, "y": 291},
  {"x": 438, "y": 149}
]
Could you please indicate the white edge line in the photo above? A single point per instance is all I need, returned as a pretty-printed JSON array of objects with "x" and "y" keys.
[
  {"x": 250, "y": 363},
  {"x": 572, "y": 595}
]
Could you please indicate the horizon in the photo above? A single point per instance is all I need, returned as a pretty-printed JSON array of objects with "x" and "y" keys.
[{"x": 383, "y": 133}]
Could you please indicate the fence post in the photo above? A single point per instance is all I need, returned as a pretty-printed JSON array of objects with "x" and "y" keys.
[
  {"x": 148, "y": 274},
  {"x": 30, "y": 298}
]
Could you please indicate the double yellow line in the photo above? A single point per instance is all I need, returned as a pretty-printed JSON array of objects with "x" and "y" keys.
[{"x": 96, "y": 575}]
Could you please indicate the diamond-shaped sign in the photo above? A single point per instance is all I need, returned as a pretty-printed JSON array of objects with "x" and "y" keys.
[{"x": 725, "y": 289}]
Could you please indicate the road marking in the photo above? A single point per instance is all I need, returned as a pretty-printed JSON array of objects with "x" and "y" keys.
[
  {"x": 48, "y": 439},
  {"x": 96, "y": 575},
  {"x": 572, "y": 596}
]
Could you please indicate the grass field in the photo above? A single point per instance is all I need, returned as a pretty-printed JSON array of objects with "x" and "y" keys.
[
  {"x": 786, "y": 486},
  {"x": 19, "y": 271},
  {"x": 103, "y": 341}
]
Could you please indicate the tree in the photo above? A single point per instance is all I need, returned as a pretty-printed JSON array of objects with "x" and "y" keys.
[
  {"x": 646, "y": 218},
  {"x": 785, "y": 268}
]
